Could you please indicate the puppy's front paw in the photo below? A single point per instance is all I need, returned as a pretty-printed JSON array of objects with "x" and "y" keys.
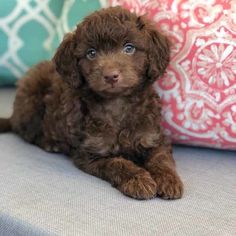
[
  {"x": 140, "y": 186},
  {"x": 169, "y": 185}
]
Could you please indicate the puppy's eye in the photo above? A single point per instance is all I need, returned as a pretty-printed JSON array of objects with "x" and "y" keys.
[
  {"x": 129, "y": 48},
  {"x": 91, "y": 53}
]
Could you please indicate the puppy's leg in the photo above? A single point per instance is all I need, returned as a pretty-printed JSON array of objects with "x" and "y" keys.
[
  {"x": 123, "y": 174},
  {"x": 161, "y": 166}
]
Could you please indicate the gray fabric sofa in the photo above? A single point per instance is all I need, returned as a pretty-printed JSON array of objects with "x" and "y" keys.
[{"x": 45, "y": 194}]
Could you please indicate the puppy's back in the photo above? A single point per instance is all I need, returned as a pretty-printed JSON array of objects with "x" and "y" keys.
[{"x": 29, "y": 105}]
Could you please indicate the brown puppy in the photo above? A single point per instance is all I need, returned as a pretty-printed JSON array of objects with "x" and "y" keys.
[{"x": 94, "y": 102}]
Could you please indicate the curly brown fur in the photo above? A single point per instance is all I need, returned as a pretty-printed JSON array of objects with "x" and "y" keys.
[{"x": 99, "y": 107}]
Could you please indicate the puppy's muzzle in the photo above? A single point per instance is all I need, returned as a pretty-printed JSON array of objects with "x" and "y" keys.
[{"x": 111, "y": 76}]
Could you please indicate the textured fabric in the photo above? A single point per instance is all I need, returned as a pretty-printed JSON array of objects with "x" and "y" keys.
[
  {"x": 30, "y": 31},
  {"x": 45, "y": 194},
  {"x": 198, "y": 91},
  {"x": 7, "y": 96},
  {"x": 14, "y": 227}
]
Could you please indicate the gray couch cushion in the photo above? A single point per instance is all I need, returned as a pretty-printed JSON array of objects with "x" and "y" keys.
[{"x": 45, "y": 194}]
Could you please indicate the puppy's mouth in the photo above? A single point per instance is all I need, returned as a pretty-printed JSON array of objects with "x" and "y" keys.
[
  {"x": 112, "y": 86},
  {"x": 116, "y": 90}
]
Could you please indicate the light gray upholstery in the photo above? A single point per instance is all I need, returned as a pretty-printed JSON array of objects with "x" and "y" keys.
[{"x": 45, "y": 194}]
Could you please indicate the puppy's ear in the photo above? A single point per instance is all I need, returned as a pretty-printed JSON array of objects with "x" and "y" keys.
[
  {"x": 158, "y": 48},
  {"x": 66, "y": 62}
]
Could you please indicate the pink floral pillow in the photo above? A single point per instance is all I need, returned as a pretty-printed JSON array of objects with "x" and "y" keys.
[{"x": 199, "y": 89}]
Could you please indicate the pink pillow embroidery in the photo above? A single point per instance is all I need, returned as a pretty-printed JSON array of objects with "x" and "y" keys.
[{"x": 199, "y": 89}]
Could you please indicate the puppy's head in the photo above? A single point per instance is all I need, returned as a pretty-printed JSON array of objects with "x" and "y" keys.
[{"x": 113, "y": 52}]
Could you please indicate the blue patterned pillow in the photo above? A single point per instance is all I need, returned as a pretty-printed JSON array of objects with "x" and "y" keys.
[{"x": 30, "y": 31}]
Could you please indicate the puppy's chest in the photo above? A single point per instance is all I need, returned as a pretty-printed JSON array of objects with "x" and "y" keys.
[{"x": 120, "y": 128}]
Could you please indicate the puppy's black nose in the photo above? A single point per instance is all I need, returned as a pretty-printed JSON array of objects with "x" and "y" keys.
[{"x": 111, "y": 77}]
